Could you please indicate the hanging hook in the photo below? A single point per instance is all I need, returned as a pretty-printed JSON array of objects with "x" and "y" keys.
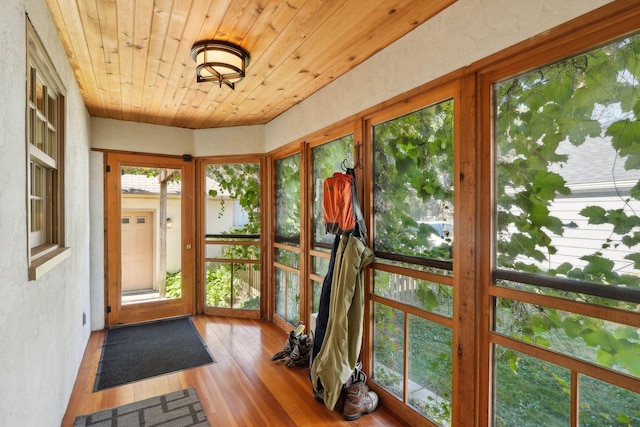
[
  {"x": 345, "y": 167},
  {"x": 357, "y": 162}
]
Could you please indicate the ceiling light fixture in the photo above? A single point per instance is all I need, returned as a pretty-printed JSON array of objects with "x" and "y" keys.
[{"x": 219, "y": 62}]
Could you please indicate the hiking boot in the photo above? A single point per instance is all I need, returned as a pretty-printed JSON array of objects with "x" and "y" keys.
[
  {"x": 301, "y": 351},
  {"x": 288, "y": 347},
  {"x": 355, "y": 375},
  {"x": 359, "y": 400}
]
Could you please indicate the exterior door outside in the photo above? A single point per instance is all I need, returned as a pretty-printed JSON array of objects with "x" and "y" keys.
[{"x": 150, "y": 238}]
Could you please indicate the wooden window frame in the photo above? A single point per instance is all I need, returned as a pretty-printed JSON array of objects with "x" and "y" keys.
[
  {"x": 580, "y": 35},
  {"x": 201, "y": 306},
  {"x": 462, "y": 277},
  {"x": 48, "y": 248},
  {"x": 284, "y": 243},
  {"x": 472, "y": 265},
  {"x": 313, "y": 249}
]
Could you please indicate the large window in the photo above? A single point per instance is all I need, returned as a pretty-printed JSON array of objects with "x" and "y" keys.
[
  {"x": 333, "y": 156},
  {"x": 520, "y": 305},
  {"x": 45, "y": 150},
  {"x": 413, "y": 184},
  {"x": 412, "y": 277},
  {"x": 232, "y": 274},
  {"x": 287, "y": 240},
  {"x": 567, "y": 234}
]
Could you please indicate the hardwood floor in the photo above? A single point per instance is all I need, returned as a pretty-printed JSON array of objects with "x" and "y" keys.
[{"x": 244, "y": 387}]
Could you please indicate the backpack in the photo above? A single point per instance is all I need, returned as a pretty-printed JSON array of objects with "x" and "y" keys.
[{"x": 342, "y": 214}]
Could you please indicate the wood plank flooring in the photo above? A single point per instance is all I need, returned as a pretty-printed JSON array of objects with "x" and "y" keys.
[{"x": 244, "y": 387}]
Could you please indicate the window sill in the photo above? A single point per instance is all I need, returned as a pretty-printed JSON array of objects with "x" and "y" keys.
[{"x": 40, "y": 266}]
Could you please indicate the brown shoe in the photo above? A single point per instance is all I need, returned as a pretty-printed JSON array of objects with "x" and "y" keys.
[
  {"x": 356, "y": 375},
  {"x": 359, "y": 400},
  {"x": 288, "y": 347}
]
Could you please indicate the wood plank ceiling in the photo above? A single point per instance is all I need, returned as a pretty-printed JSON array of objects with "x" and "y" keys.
[{"x": 132, "y": 59}]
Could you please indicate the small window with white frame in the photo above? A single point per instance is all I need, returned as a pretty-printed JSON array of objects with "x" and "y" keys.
[{"x": 45, "y": 148}]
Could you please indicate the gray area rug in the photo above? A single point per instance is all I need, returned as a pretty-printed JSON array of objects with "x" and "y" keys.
[
  {"x": 135, "y": 352},
  {"x": 176, "y": 409}
]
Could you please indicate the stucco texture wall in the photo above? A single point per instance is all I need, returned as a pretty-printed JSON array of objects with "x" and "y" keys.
[
  {"x": 42, "y": 338},
  {"x": 147, "y": 138}
]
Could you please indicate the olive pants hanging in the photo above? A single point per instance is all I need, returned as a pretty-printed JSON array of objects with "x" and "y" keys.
[
  {"x": 325, "y": 299},
  {"x": 343, "y": 339}
]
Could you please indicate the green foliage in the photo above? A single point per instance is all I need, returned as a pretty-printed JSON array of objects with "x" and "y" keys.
[
  {"x": 413, "y": 182},
  {"x": 438, "y": 410},
  {"x": 537, "y": 393},
  {"x": 389, "y": 338},
  {"x": 174, "y": 285},
  {"x": 240, "y": 182},
  {"x": 287, "y": 196},
  {"x": 429, "y": 356},
  {"x": 287, "y": 226},
  {"x": 219, "y": 291},
  {"x": 534, "y": 394},
  {"x": 218, "y": 288},
  {"x": 252, "y": 303},
  {"x": 390, "y": 380},
  {"x": 587, "y": 338},
  {"x": 327, "y": 159},
  {"x": 428, "y": 297},
  {"x": 535, "y": 113},
  {"x": 590, "y": 96}
]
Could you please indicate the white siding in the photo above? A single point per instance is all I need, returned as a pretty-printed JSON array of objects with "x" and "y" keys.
[{"x": 585, "y": 238}]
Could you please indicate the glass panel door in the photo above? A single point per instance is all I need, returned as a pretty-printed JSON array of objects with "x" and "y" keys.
[
  {"x": 150, "y": 260},
  {"x": 231, "y": 270}
]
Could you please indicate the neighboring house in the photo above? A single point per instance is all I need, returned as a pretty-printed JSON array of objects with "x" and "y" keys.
[
  {"x": 142, "y": 227},
  {"x": 590, "y": 188}
]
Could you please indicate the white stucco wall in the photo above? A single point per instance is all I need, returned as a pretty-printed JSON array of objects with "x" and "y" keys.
[
  {"x": 42, "y": 338},
  {"x": 147, "y": 138},
  {"x": 141, "y": 137},
  {"x": 465, "y": 32},
  {"x": 230, "y": 140}
]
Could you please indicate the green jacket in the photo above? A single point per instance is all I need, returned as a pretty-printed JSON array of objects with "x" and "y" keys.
[{"x": 340, "y": 349}]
